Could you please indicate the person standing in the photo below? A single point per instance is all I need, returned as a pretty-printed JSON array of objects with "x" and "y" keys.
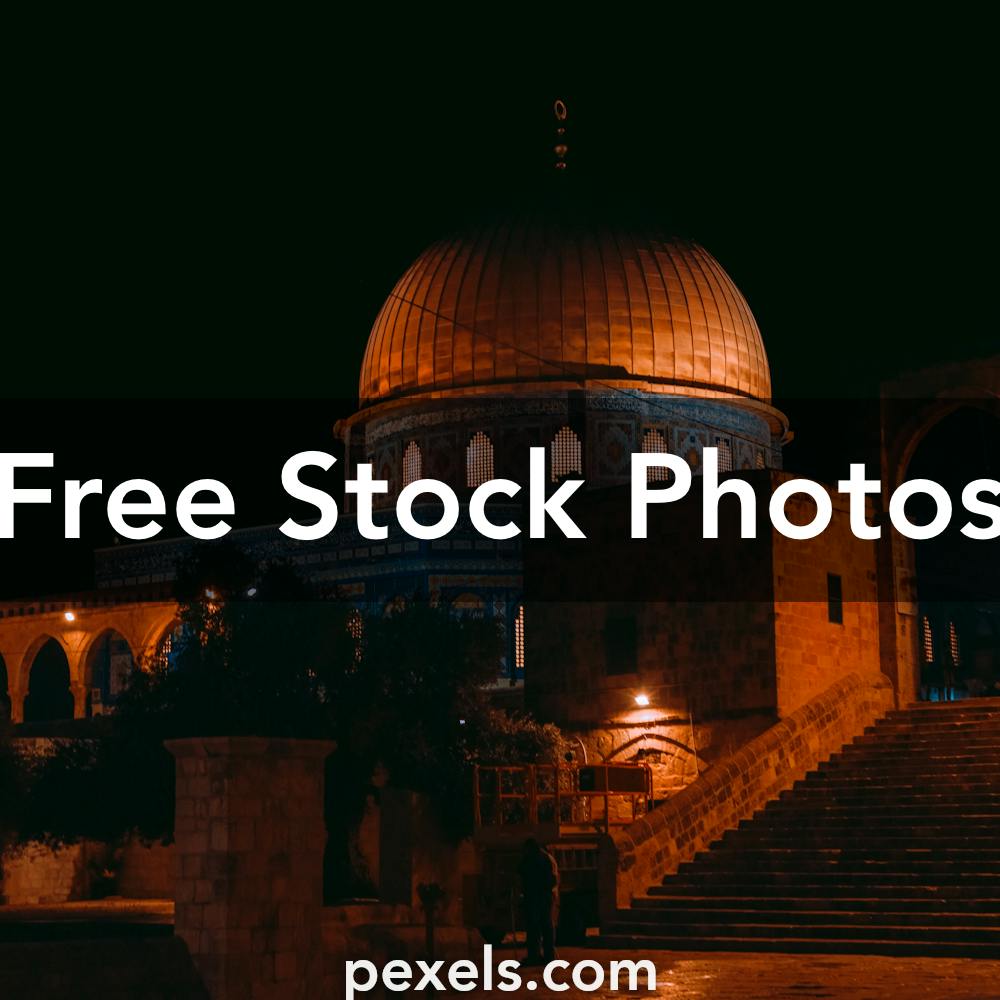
[{"x": 540, "y": 887}]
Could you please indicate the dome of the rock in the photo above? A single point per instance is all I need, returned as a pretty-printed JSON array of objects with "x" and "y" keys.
[{"x": 522, "y": 306}]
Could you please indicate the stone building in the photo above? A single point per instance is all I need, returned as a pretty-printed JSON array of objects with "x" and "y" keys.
[{"x": 593, "y": 341}]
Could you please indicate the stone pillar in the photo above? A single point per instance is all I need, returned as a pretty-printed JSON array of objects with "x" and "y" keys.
[
  {"x": 79, "y": 692},
  {"x": 16, "y": 696},
  {"x": 248, "y": 859}
]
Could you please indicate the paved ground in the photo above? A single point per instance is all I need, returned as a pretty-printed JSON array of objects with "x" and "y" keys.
[
  {"x": 680, "y": 976},
  {"x": 699, "y": 976}
]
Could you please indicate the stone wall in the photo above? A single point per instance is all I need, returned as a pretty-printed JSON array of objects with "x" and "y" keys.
[
  {"x": 146, "y": 871},
  {"x": 37, "y": 873},
  {"x": 811, "y": 651},
  {"x": 248, "y": 863},
  {"x": 636, "y": 857},
  {"x": 413, "y": 849}
]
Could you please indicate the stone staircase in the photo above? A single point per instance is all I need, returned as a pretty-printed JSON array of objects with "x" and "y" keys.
[{"x": 892, "y": 847}]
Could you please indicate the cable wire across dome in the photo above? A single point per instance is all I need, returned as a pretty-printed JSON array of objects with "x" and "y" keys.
[{"x": 523, "y": 304}]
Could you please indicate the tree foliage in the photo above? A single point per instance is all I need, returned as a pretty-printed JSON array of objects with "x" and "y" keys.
[{"x": 257, "y": 652}]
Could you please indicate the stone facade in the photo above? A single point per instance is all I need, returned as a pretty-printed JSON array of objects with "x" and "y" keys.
[
  {"x": 250, "y": 835},
  {"x": 640, "y": 855}
]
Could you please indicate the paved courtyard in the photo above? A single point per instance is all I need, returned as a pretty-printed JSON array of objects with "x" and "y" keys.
[{"x": 701, "y": 976}]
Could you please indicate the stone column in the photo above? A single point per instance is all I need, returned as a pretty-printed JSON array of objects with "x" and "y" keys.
[{"x": 250, "y": 835}]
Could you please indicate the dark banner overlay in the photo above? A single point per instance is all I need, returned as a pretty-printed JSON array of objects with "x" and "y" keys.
[{"x": 245, "y": 444}]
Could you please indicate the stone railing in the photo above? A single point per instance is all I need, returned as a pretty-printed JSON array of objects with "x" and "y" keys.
[{"x": 638, "y": 856}]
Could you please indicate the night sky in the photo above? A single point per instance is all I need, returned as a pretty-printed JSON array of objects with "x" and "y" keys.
[{"x": 209, "y": 220}]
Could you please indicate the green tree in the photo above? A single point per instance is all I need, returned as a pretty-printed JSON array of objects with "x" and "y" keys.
[{"x": 258, "y": 652}]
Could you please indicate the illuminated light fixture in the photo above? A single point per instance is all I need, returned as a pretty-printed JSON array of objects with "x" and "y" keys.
[
  {"x": 210, "y": 594},
  {"x": 642, "y": 700},
  {"x": 69, "y": 616},
  {"x": 252, "y": 592}
]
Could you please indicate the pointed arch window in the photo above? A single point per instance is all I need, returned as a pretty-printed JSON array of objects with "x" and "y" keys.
[
  {"x": 653, "y": 442},
  {"x": 356, "y": 630},
  {"x": 927, "y": 639},
  {"x": 519, "y": 638},
  {"x": 478, "y": 460},
  {"x": 413, "y": 463},
  {"x": 566, "y": 454},
  {"x": 725, "y": 454},
  {"x": 953, "y": 649}
]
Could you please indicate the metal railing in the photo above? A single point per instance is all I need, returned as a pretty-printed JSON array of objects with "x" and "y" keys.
[{"x": 571, "y": 797}]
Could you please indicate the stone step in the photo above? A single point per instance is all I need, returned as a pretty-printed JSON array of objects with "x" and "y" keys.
[
  {"x": 883, "y": 788},
  {"x": 930, "y": 730},
  {"x": 915, "y": 810},
  {"x": 890, "y": 847},
  {"x": 859, "y": 840},
  {"x": 919, "y": 770},
  {"x": 806, "y": 904},
  {"x": 866, "y": 854},
  {"x": 865, "y": 756},
  {"x": 878, "y": 876},
  {"x": 694, "y": 916},
  {"x": 864, "y": 798},
  {"x": 987, "y": 763},
  {"x": 807, "y": 890},
  {"x": 957, "y": 932},
  {"x": 933, "y": 707},
  {"x": 914, "y": 738},
  {"x": 791, "y": 945},
  {"x": 792, "y": 863},
  {"x": 784, "y": 821}
]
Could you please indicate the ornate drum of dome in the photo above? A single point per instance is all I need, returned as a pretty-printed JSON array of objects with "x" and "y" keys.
[{"x": 534, "y": 306}]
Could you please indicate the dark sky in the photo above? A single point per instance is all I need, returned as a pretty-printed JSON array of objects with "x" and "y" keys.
[{"x": 195, "y": 215}]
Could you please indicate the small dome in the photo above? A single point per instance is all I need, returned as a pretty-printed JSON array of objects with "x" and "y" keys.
[{"x": 534, "y": 305}]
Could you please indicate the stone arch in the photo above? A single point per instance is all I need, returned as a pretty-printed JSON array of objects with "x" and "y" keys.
[
  {"x": 160, "y": 645},
  {"x": 107, "y": 664},
  {"x": 911, "y": 408},
  {"x": 657, "y": 737},
  {"x": 149, "y": 647},
  {"x": 952, "y": 573},
  {"x": 912, "y": 431},
  {"x": 49, "y": 694}
]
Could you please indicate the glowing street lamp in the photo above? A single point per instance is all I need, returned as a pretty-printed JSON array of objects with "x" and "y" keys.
[
  {"x": 642, "y": 700},
  {"x": 69, "y": 616}
]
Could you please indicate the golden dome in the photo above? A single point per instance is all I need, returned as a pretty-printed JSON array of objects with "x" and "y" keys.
[{"x": 516, "y": 305}]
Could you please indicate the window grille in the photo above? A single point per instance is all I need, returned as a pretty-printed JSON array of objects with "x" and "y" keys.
[
  {"x": 725, "y": 454},
  {"x": 478, "y": 460},
  {"x": 566, "y": 454},
  {"x": 519, "y": 638},
  {"x": 654, "y": 442},
  {"x": 413, "y": 463}
]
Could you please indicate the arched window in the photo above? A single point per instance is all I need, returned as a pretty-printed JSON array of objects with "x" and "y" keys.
[
  {"x": 478, "y": 460},
  {"x": 953, "y": 650},
  {"x": 49, "y": 696},
  {"x": 356, "y": 630},
  {"x": 927, "y": 639},
  {"x": 725, "y": 454},
  {"x": 566, "y": 454},
  {"x": 759, "y": 461},
  {"x": 654, "y": 442},
  {"x": 108, "y": 670},
  {"x": 413, "y": 464},
  {"x": 519, "y": 638}
]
